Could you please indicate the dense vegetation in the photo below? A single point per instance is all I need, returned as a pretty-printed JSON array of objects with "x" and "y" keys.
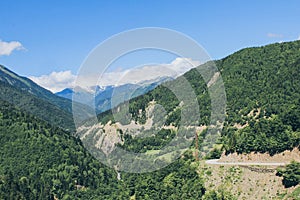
[
  {"x": 263, "y": 101},
  {"x": 262, "y": 112},
  {"x": 143, "y": 144},
  {"x": 290, "y": 174},
  {"x": 40, "y": 102},
  {"x": 38, "y": 107},
  {"x": 39, "y": 161},
  {"x": 177, "y": 181},
  {"x": 27, "y": 86},
  {"x": 266, "y": 81}
]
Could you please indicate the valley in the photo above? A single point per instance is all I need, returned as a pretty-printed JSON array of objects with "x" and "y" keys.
[
  {"x": 149, "y": 100},
  {"x": 254, "y": 154}
]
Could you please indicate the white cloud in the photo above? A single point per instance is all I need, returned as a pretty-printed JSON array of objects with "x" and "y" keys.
[
  {"x": 147, "y": 72},
  {"x": 57, "y": 81},
  {"x": 6, "y": 48},
  {"x": 298, "y": 37},
  {"x": 274, "y": 35}
]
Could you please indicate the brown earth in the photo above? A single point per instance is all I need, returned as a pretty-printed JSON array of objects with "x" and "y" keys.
[
  {"x": 285, "y": 157},
  {"x": 249, "y": 182}
]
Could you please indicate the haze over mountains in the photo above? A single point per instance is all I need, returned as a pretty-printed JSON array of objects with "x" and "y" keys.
[
  {"x": 58, "y": 81},
  {"x": 100, "y": 97}
]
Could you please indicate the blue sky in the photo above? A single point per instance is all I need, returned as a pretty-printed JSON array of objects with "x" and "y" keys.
[{"x": 58, "y": 35}]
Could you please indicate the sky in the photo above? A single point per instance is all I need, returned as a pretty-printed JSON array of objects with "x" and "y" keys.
[{"x": 49, "y": 40}]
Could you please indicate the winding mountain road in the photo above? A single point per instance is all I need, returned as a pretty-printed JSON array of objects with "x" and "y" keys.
[{"x": 216, "y": 162}]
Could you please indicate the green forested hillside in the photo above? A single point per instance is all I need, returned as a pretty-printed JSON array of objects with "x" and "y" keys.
[
  {"x": 39, "y": 161},
  {"x": 27, "y": 86},
  {"x": 32, "y": 98},
  {"x": 262, "y": 86},
  {"x": 262, "y": 115},
  {"x": 264, "y": 80},
  {"x": 37, "y": 106}
]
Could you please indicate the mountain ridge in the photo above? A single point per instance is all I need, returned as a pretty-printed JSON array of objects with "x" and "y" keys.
[
  {"x": 101, "y": 96},
  {"x": 263, "y": 115},
  {"x": 29, "y": 96},
  {"x": 262, "y": 90}
]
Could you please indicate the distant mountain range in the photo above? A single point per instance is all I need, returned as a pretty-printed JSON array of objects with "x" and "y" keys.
[
  {"x": 27, "y": 95},
  {"x": 57, "y": 108},
  {"x": 40, "y": 160},
  {"x": 104, "y": 98}
]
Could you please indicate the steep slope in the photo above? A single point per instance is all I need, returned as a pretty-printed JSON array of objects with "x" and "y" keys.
[
  {"x": 263, "y": 104},
  {"x": 39, "y": 107},
  {"x": 27, "y": 95},
  {"x": 122, "y": 93},
  {"x": 102, "y": 96},
  {"x": 66, "y": 93},
  {"x": 26, "y": 85},
  {"x": 39, "y": 161},
  {"x": 262, "y": 86},
  {"x": 262, "y": 115}
]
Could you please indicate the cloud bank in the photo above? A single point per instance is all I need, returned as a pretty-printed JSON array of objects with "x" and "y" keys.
[
  {"x": 57, "y": 81},
  {"x": 6, "y": 48}
]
